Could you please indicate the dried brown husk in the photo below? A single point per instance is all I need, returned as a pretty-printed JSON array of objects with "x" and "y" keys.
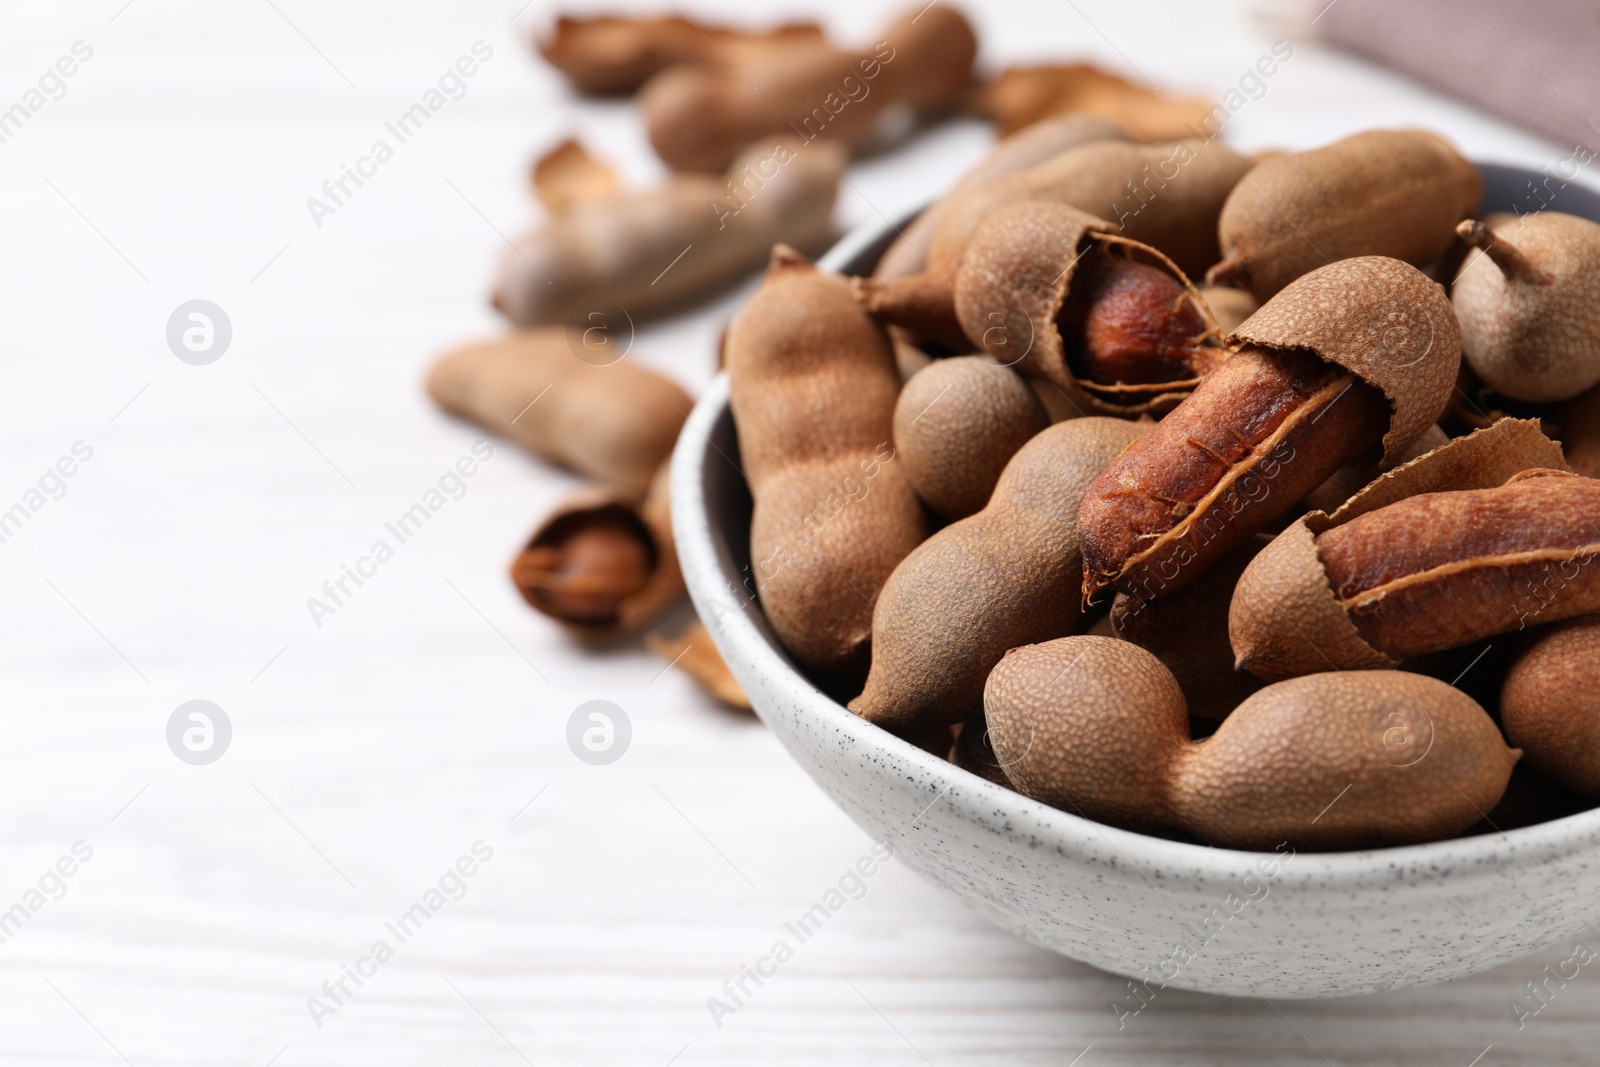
[
  {"x": 695, "y": 654},
  {"x": 1014, "y": 280},
  {"x": 1022, "y": 96},
  {"x": 649, "y": 518},
  {"x": 1285, "y": 619}
]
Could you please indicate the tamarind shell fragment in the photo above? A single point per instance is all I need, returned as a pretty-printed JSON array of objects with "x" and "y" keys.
[
  {"x": 1286, "y": 618},
  {"x": 623, "y": 579}
]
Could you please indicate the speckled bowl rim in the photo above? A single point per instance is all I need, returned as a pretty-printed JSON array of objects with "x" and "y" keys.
[{"x": 739, "y": 639}]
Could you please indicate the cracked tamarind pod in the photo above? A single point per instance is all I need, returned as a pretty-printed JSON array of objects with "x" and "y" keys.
[
  {"x": 1396, "y": 193},
  {"x": 812, "y": 387},
  {"x": 698, "y": 116},
  {"x": 1486, "y": 534},
  {"x": 615, "y": 422},
  {"x": 607, "y": 259},
  {"x": 603, "y": 564},
  {"x": 1060, "y": 295},
  {"x": 1099, "y": 727},
  {"x": 1167, "y": 196},
  {"x": 1001, "y": 578},
  {"x": 1361, "y": 351}
]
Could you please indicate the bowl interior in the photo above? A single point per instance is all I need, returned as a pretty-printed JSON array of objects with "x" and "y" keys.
[{"x": 728, "y": 502}]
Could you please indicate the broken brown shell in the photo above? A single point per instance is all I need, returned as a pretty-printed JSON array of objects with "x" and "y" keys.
[
  {"x": 1014, "y": 281},
  {"x": 1285, "y": 619}
]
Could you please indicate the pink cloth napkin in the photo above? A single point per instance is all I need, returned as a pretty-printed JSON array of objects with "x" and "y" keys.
[{"x": 1536, "y": 62}]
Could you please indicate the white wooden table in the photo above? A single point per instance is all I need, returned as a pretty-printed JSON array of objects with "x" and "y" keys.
[{"x": 428, "y": 714}]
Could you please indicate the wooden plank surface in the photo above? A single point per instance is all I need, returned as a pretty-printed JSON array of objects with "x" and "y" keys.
[{"x": 371, "y": 753}]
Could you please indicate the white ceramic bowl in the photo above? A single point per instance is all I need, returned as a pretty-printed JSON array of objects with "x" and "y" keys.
[{"x": 1166, "y": 912}]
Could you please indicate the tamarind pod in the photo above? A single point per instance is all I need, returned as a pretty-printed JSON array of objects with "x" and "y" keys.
[
  {"x": 699, "y": 116},
  {"x": 645, "y": 253},
  {"x": 1285, "y": 619},
  {"x": 1230, "y": 307},
  {"x": 613, "y": 55},
  {"x": 1304, "y": 394},
  {"x": 988, "y": 583},
  {"x": 1252, "y": 439},
  {"x": 1098, "y": 727},
  {"x": 1396, "y": 193},
  {"x": 694, "y": 653},
  {"x": 1550, "y": 703},
  {"x": 1021, "y": 151},
  {"x": 1438, "y": 570},
  {"x": 813, "y": 384},
  {"x": 973, "y": 753},
  {"x": 1167, "y": 196},
  {"x": 1055, "y": 292},
  {"x": 603, "y": 564},
  {"x": 616, "y": 423},
  {"x": 1356, "y": 760},
  {"x": 957, "y": 424}
]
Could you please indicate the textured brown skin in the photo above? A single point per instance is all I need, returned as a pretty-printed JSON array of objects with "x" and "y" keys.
[
  {"x": 1004, "y": 577},
  {"x": 1021, "y": 151},
  {"x": 973, "y": 753},
  {"x": 699, "y": 116},
  {"x": 1579, "y": 420},
  {"x": 584, "y": 264},
  {"x": 1347, "y": 481},
  {"x": 1020, "y": 296},
  {"x": 1530, "y": 306},
  {"x": 1285, "y": 620},
  {"x": 812, "y": 385},
  {"x": 1252, "y": 439},
  {"x": 612, "y": 55},
  {"x": 1396, "y": 193},
  {"x": 616, "y": 423},
  {"x": 1098, "y": 727},
  {"x": 1112, "y": 180},
  {"x": 603, "y": 564},
  {"x": 1379, "y": 318},
  {"x": 1550, "y": 704},
  {"x": 1439, "y": 570},
  {"x": 1188, "y": 632},
  {"x": 957, "y": 424},
  {"x": 1273, "y": 768}
]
